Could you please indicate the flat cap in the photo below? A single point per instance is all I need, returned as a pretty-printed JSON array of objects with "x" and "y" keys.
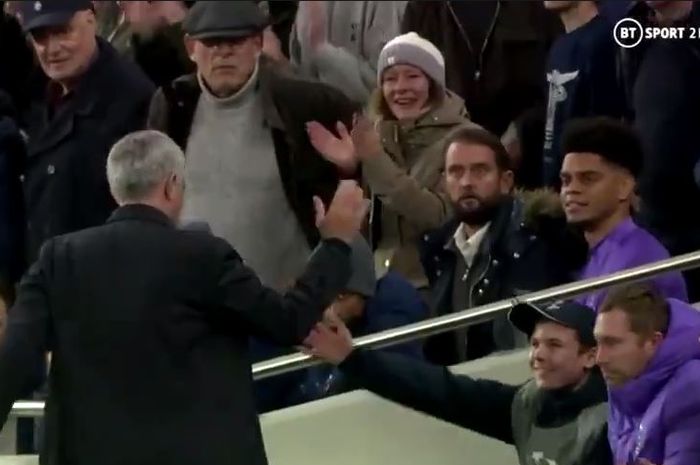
[
  {"x": 36, "y": 14},
  {"x": 208, "y": 19}
]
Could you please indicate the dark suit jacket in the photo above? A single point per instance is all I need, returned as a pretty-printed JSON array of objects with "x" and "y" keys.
[{"x": 149, "y": 329}]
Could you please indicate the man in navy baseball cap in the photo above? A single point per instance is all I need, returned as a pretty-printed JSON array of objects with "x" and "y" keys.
[
  {"x": 567, "y": 313},
  {"x": 559, "y": 416},
  {"x": 39, "y": 14}
]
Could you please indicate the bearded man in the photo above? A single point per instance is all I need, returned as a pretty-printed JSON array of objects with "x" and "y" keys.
[{"x": 499, "y": 245}]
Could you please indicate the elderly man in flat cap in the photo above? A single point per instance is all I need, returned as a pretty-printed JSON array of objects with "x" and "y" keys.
[{"x": 251, "y": 170}]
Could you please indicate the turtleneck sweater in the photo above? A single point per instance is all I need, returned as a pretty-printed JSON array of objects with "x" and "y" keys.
[{"x": 233, "y": 183}]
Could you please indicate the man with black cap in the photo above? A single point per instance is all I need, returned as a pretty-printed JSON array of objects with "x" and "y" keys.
[
  {"x": 558, "y": 417},
  {"x": 93, "y": 98},
  {"x": 602, "y": 162},
  {"x": 251, "y": 170}
]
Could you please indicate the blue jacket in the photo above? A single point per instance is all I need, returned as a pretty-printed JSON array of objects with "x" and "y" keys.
[{"x": 395, "y": 303}]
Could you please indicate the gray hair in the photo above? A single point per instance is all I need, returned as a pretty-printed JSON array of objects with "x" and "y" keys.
[{"x": 140, "y": 161}]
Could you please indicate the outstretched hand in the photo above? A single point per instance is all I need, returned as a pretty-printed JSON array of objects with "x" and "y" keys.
[
  {"x": 338, "y": 150},
  {"x": 345, "y": 215}
]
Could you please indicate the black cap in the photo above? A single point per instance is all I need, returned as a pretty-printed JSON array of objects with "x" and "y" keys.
[
  {"x": 36, "y": 14},
  {"x": 569, "y": 313},
  {"x": 207, "y": 19}
]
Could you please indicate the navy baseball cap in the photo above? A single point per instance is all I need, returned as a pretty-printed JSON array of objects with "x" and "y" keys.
[
  {"x": 569, "y": 313},
  {"x": 36, "y": 14}
]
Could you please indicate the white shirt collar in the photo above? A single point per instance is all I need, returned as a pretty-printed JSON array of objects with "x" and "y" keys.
[{"x": 469, "y": 246}]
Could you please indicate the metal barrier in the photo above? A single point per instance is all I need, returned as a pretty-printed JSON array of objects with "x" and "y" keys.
[{"x": 450, "y": 322}]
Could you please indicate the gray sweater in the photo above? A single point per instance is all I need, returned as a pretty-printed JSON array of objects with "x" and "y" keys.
[{"x": 233, "y": 183}]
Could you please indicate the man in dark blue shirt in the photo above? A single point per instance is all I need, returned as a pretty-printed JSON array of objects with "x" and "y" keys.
[{"x": 581, "y": 73}]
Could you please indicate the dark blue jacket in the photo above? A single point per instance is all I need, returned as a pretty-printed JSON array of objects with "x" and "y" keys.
[
  {"x": 65, "y": 181},
  {"x": 395, "y": 303}
]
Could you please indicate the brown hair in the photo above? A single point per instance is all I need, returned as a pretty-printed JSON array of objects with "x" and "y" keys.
[
  {"x": 646, "y": 309},
  {"x": 479, "y": 136}
]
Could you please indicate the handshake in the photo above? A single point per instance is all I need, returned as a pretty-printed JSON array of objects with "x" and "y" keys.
[{"x": 330, "y": 340}]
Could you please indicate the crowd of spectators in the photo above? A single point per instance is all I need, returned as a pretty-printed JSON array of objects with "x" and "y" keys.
[{"x": 505, "y": 147}]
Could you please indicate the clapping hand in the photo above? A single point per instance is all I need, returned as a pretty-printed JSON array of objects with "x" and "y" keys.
[
  {"x": 347, "y": 149},
  {"x": 365, "y": 138},
  {"x": 338, "y": 150}
]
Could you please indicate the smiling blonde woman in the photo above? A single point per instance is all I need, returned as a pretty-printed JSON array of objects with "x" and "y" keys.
[{"x": 400, "y": 151}]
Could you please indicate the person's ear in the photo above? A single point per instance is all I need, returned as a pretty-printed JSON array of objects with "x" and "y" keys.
[
  {"x": 507, "y": 182},
  {"x": 625, "y": 189},
  {"x": 170, "y": 188},
  {"x": 189, "y": 46},
  {"x": 656, "y": 339},
  {"x": 258, "y": 40},
  {"x": 589, "y": 358}
]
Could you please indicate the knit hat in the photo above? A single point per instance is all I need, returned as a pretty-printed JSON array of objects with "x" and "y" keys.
[{"x": 412, "y": 49}]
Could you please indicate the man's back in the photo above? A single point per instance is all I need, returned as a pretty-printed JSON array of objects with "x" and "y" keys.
[
  {"x": 135, "y": 351},
  {"x": 148, "y": 326}
]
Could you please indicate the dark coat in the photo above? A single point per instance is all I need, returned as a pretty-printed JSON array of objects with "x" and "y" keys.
[
  {"x": 65, "y": 181},
  {"x": 508, "y": 78},
  {"x": 527, "y": 248},
  {"x": 288, "y": 103},
  {"x": 17, "y": 63},
  {"x": 12, "y": 157},
  {"x": 661, "y": 82},
  {"x": 149, "y": 328}
]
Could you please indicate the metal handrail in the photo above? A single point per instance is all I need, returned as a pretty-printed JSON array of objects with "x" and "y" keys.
[{"x": 468, "y": 317}]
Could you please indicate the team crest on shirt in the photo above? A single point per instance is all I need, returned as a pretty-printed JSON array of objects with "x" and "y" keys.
[
  {"x": 557, "y": 94},
  {"x": 556, "y": 80},
  {"x": 538, "y": 458}
]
